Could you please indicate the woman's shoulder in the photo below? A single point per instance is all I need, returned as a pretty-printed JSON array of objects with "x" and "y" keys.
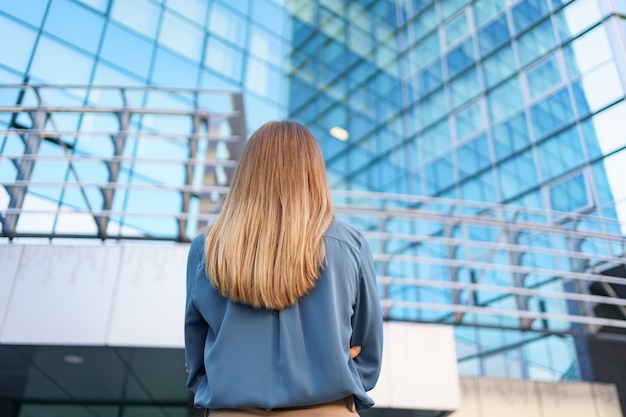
[{"x": 345, "y": 232}]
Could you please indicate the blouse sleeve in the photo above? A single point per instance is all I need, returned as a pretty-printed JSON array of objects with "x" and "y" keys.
[
  {"x": 196, "y": 328},
  {"x": 367, "y": 322}
]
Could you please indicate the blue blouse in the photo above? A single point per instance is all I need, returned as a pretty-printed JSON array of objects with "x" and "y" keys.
[{"x": 239, "y": 356}]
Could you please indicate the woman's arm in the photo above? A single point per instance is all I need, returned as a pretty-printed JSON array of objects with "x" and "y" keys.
[
  {"x": 367, "y": 322},
  {"x": 196, "y": 327}
]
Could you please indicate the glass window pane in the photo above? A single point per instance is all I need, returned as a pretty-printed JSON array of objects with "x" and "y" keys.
[
  {"x": 499, "y": 66},
  {"x": 517, "y": 175},
  {"x": 139, "y": 15},
  {"x": 427, "y": 49},
  {"x": 456, "y": 29},
  {"x": 464, "y": 88},
  {"x": 181, "y": 36},
  {"x": 569, "y": 195},
  {"x": 608, "y": 126},
  {"x": 511, "y": 136},
  {"x": 505, "y": 100},
  {"x": 268, "y": 47},
  {"x": 430, "y": 78},
  {"x": 601, "y": 87},
  {"x": 227, "y": 24},
  {"x": 560, "y": 154},
  {"x": 460, "y": 58},
  {"x": 172, "y": 71},
  {"x": 469, "y": 121},
  {"x": 473, "y": 156},
  {"x": 493, "y": 35},
  {"x": 588, "y": 51},
  {"x": 29, "y": 11},
  {"x": 264, "y": 79},
  {"x": 75, "y": 24},
  {"x": 425, "y": 22},
  {"x": 432, "y": 108},
  {"x": 536, "y": 43},
  {"x": 16, "y": 54},
  {"x": 269, "y": 15},
  {"x": 223, "y": 59},
  {"x": 74, "y": 68},
  {"x": 576, "y": 17},
  {"x": 135, "y": 56},
  {"x": 543, "y": 76},
  {"x": 482, "y": 188},
  {"x": 195, "y": 10},
  {"x": 552, "y": 113},
  {"x": 485, "y": 10},
  {"x": 528, "y": 12}
]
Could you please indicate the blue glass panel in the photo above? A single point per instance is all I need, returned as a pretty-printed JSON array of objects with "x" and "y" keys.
[
  {"x": 456, "y": 29},
  {"x": 425, "y": 22},
  {"x": 433, "y": 108},
  {"x": 181, "y": 36},
  {"x": 560, "y": 154},
  {"x": 269, "y": 15},
  {"x": 74, "y": 68},
  {"x": 510, "y": 136},
  {"x": 528, "y": 12},
  {"x": 493, "y": 35},
  {"x": 543, "y": 76},
  {"x": 505, "y": 100},
  {"x": 427, "y": 49},
  {"x": 435, "y": 141},
  {"x": 140, "y": 15},
  {"x": 439, "y": 174},
  {"x": 464, "y": 88},
  {"x": 224, "y": 59},
  {"x": 536, "y": 43},
  {"x": 590, "y": 139},
  {"x": 449, "y": 7},
  {"x": 517, "y": 174},
  {"x": 29, "y": 11},
  {"x": 580, "y": 98},
  {"x": 569, "y": 195},
  {"x": 15, "y": 54},
  {"x": 485, "y": 10},
  {"x": 469, "y": 121},
  {"x": 430, "y": 78},
  {"x": 473, "y": 156},
  {"x": 460, "y": 58},
  {"x": 136, "y": 54},
  {"x": 171, "y": 71},
  {"x": 195, "y": 10},
  {"x": 552, "y": 113},
  {"x": 499, "y": 66},
  {"x": 75, "y": 24},
  {"x": 481, "y": 188},
  {"x": 227, "y": 24},
  {"x": 269, "y": 47}
]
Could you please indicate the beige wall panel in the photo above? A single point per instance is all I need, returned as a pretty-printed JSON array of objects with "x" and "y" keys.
[
  {"x": 566, "y": 399},
  {"x": 511, "y": 398},
  {"x": 470, "y": 404},
  {"x": 61, "y": 295},
  {"x": 9, "y": 260},
  {"x": 149, "y": 303},
  {"x": 607, "y": 401}
]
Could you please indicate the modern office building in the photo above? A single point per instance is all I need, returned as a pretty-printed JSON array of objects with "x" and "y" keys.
[{"x": 479, "y": 143}]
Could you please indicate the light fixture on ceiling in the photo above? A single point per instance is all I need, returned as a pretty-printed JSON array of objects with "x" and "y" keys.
[
  {"x": 340, "y": 133},
  {"x": 73, "y": 359}
]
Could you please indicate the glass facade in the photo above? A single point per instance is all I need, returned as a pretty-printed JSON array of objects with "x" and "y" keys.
[{"x": 515, "y": 102}]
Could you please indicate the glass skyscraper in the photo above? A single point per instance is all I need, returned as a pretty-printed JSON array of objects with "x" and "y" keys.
[{"x": 494, "y": 127}]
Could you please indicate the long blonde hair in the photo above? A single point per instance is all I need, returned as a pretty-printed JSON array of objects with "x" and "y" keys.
[{"x": 266, "y": 247}]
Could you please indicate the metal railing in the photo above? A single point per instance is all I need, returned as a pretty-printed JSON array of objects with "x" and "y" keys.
[{"x": 160, "y": 168}]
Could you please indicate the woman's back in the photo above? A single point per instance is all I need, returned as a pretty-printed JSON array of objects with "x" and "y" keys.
[{"x": 239, "y": 356}]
